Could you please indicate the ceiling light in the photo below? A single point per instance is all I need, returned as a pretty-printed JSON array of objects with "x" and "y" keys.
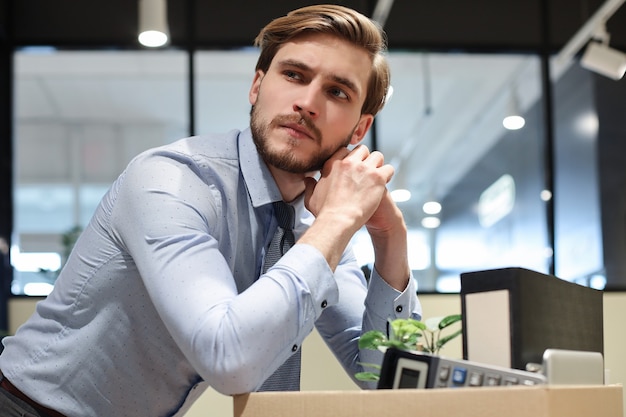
[
  {"x": 400, "y": 195},
  {"x": 513, "y": 119},
  {"x": 431, "y": 222},
  {"x": 513, "y": 122},
  {"x": 431, "y": 207},
  {"x": 153, "y": 29},
  {"x": 604, "y": 60},
  {"x": 545, "y": 195}
]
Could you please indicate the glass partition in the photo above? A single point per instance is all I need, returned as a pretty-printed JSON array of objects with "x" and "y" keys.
[
  {"x": 80, "y": 116},
  {"x": 471, "y": 190},
  {"x": 579, "y": 253},
  {"x": 472, "y": 187}
]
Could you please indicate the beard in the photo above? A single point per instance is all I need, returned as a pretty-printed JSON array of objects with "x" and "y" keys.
[{"x": 286, "y": 160}]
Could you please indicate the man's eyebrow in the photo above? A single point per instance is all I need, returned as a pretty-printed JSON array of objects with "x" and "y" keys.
[
  {"x": 348, "y": 83},
  {"x": 293, "y": 63},
  {"x": 304, "y": 67}
]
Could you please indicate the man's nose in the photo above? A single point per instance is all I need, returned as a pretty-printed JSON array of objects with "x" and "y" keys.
[{"x": 308, "y": 101}]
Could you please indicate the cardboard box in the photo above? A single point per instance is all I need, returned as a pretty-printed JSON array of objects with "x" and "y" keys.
[{"x": 537, "y": 401}]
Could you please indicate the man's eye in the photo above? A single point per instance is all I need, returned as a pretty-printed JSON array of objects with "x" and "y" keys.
[
  {"x": 338, "y": 93},
  {"x": 292, "y": 74}
]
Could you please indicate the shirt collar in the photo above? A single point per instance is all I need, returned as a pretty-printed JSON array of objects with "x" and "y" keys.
[{"x": 260, "y": 183}]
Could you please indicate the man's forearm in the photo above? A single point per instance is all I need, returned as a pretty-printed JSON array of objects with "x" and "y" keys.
[
  {"x": 330, "y": 235},
  {"x": 391, "y": 256}
]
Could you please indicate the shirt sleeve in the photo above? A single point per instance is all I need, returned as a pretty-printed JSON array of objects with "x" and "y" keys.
[
  {"x": 167, "y": 218},
  {"x": 362, "y": 308}
]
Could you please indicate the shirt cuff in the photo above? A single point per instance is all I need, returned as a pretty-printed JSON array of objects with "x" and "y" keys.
[
  {"x": 385, "y": 302},
  {"x": 316, "y": 276}
]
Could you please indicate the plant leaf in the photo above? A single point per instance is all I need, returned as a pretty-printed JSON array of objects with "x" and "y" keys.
[
  {"x": 446, "y": 339},
  {"x": 367, "y": 376},
  {"x": 448, "y": 320},
  {"x": 372, "y": 339},
  {"x": 370, "y": 365},
  {"x": 403, "y": 328},
  {"x": 410, "y": 340},
  {"x": 398, "y": 344}
]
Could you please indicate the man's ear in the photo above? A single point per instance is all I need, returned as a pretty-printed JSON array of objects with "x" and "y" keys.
[
  {"x": 364, "y": 124},
  {"x": 253, "y": 95}
]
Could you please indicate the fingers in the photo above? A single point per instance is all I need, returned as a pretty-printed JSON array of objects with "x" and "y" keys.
[
  {"x": 309, "y": 187},
  {"x": 388, "y": 171},
  {"x": 375, "y": 159},
  {"x": 362, "y": 154},
  {"x": 339, "y": 155}
]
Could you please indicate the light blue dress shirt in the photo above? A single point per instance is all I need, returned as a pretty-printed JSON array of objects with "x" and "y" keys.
[{"x": 163, "y": 294}]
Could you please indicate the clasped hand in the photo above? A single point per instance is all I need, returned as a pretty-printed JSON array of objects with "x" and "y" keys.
[{"x": 351, "y": 187}]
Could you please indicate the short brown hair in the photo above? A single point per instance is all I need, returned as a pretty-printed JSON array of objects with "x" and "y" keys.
[{"x": 338, "y": 21}]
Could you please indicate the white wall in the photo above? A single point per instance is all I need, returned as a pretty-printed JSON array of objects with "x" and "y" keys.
[{"x": 321, "y": 371}]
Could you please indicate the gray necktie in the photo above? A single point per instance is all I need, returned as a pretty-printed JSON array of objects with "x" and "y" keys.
[{"x": 287, "y": 377}]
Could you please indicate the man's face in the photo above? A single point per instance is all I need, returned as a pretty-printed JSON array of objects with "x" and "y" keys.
[{"x": 308, "y": 104}]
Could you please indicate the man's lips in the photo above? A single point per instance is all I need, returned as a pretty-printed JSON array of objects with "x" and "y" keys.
[{"x": 298, "y": 128}]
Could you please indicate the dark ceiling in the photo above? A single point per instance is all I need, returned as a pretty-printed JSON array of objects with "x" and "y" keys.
[{"x": 477, "y": 25}]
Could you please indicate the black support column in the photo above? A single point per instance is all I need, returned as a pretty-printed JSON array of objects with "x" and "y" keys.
[{"x": 6, "y": 159}]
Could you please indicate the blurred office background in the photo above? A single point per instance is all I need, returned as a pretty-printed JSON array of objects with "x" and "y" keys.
[{"x": 81, "y": 97}]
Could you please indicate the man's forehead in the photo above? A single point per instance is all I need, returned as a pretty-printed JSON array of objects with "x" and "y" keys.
[{"x": 315, "y": 52}]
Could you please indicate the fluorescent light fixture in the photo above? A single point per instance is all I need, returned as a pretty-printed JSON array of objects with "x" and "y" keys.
[
  {"x": 35, "y": 261},
  {"x": 153, "y": 28},
  {"x": 604, "y": 60},
  {"x": 38, "y": 289},
  {"x": 497, "y": 201}
]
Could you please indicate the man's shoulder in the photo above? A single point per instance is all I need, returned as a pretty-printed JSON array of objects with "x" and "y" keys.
[
  {"x": 204, "y": 152},
  {"x": 213, "y": 145}
]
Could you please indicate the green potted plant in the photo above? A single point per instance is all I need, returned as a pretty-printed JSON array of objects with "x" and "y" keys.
[{"x": 408, "y": 334}]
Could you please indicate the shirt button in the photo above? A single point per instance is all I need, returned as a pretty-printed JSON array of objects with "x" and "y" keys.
[
  {"x": 399, "y": 309},
  {"x": 294, "y": 348},
  {"x": 324, "y": 304}
]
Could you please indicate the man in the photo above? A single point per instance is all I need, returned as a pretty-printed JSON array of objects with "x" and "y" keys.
[{"x": 165, "y": 292}]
